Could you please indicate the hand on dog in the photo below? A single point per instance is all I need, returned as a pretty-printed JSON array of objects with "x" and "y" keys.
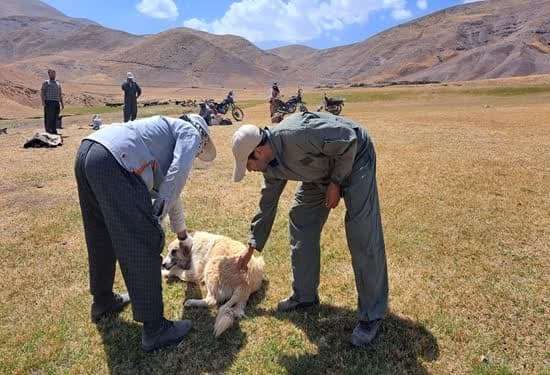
[
  {"x": 244, "y": 258},
  {"x": 187, "y": 243},
  {"x": 185, "y": 240}
]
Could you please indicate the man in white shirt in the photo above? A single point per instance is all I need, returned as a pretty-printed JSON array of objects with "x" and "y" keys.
[{"x": 118, "y": 169}]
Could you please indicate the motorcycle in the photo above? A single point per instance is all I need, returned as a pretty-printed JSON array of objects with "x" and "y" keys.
[
  {"x": 291, "y": 104},
  {"x": 229, "y": 104},
  {"x": 332, "y": 105}
]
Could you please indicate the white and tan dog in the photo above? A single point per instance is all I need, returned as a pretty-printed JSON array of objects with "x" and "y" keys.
[{"x": 212, "y": 259}]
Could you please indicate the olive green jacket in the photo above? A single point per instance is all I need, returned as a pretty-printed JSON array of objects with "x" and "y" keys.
[{"x": 309, "y": 147}]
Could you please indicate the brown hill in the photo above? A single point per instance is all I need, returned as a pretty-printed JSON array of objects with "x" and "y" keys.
[
  {"x": 490, "y": 39},
  {"x": 293, "y": 51},
  {"x": 188, "y": 57}
]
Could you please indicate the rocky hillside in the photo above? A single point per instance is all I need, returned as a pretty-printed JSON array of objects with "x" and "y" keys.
[
  {"x": 490, "y": 39},
  {"x": 188, "y": 57}
]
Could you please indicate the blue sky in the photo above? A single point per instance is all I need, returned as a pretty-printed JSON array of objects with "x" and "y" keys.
[{"x": 266, "y": 23}]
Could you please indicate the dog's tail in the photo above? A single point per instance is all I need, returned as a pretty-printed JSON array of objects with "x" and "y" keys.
[
  {"x": 234, "y": 308},
  {"x": 224, "y": 320}
]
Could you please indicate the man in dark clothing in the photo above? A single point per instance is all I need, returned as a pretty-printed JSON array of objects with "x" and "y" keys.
[
  {"x": 132, "y": 91},
  {"x": 52, "y": 101}
]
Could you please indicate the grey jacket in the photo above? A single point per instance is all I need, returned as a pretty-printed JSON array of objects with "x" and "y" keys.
[
  {"x": 159, "y": 149},
  {"x": 309, "y": 147}
]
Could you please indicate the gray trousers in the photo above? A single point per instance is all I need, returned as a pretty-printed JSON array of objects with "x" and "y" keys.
[
  {"x": 119, "y": 225},
  {"x": 364, "y": 236}
]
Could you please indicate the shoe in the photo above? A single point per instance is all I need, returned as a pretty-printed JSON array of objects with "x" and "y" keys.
[
  {"x": 290, "y": 304},
  {"x": 365, "y": 332},
  {"x": 169, "y": 334},
  {"x": 102, "y": 310}
]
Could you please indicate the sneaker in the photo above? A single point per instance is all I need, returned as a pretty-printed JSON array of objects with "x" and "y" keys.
[
  {"x": 169, "y": 333},
  {"x": 365, "y": 332},
  {"x": 101, "y": 310},
  {"x": 290, "y": 304}
]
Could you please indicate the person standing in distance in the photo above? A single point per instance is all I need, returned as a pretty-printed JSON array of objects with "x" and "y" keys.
[
  {"x": 52, "y": 101},
  {"x": 132, "y": 92}
]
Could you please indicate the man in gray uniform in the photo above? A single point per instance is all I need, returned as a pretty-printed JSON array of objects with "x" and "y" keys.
[
  {"x": 132, "y": 91},
  {"x": 331, "y": 157}
]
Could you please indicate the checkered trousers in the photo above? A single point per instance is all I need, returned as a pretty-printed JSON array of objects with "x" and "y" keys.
[{"x": 119, "y": 226}]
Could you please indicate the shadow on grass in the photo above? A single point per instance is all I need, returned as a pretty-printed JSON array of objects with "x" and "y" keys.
[
  {"x": 402, "y": 345},
  {"x": 200, "y": 352}
]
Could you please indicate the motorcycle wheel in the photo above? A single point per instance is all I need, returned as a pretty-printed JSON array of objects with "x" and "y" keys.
[
  {"x": 238, "y": 114},
  {"x": 337, "y": 110},
  {"x": 292, "y": 108}
]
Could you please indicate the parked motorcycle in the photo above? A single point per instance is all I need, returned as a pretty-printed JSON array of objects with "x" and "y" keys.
[
  {"x": 207, "y": 110},
  {"x": 229, "y": 104},
  {"x": 291, "y": 104},
  {"x": 332, "y": 105}
]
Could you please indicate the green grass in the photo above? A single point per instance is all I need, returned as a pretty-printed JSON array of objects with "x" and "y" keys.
[
  {"x": 507, "y": 91},
  {"x": 464, "y": 192}
]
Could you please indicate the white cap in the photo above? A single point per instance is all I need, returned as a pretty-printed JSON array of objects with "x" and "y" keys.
[
  {"x": 208, "y": 152},
  {"x": 130, "y": 75},
  {"x": 245, "y": 140}
]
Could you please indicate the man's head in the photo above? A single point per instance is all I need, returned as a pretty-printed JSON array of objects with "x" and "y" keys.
[
  {"x": 129, "y": 76},
  {"x": 251, "y": 150},
  {"x": 207, "y": 149},
  {"x": 51, "y": 74}
]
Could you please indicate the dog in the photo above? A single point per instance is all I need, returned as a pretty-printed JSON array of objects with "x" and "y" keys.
[{"x": 212, "y": 259}]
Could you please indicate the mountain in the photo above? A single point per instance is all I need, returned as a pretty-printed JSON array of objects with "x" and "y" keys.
[
  {"x": 29, "y": 8},
  {"x": 189, "y": 57},
  {"x": 490, "y": 39},
  {"x": 293, "y": 51}
]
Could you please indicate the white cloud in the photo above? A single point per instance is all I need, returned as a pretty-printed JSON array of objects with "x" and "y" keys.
[
  {"x": 471, "y": 1},
  {"x": 422, "y": 4},
  {"x": 294, "y": 21},
  {"x": 158, "y": 8}
]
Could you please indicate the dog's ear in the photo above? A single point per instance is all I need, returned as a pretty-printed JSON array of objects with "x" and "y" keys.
[{"x": 186, "y": 246}]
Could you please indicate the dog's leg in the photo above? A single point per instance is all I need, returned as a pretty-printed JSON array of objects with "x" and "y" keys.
[
  {"x": 234, "y": 308},
  {"x": 184, "y": 275},
  {"x": 239, "y": 310},
  {"x": 208, "y": 301}
]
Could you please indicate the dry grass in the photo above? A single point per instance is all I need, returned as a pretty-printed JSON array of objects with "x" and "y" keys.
[{"x": 465, "y": 190}]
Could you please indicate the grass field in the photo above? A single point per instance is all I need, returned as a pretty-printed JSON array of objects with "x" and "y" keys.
[{"x": 464, "y": 181}]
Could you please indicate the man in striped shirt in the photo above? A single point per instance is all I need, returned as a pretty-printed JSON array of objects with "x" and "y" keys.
[{"x": 52, "y": 101}]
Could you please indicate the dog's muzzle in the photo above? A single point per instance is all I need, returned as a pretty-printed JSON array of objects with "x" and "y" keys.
[{"x": 169, "y": 263}]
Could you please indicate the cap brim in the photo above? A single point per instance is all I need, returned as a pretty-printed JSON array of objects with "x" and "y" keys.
[
  {"x": 209, "y": 151},
  {"x": 239, "y": 170}
]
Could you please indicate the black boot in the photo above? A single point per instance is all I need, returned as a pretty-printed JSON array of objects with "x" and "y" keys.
[
  {"x": 104, "y": 306},
  {"x": 162, "y": 333}
]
